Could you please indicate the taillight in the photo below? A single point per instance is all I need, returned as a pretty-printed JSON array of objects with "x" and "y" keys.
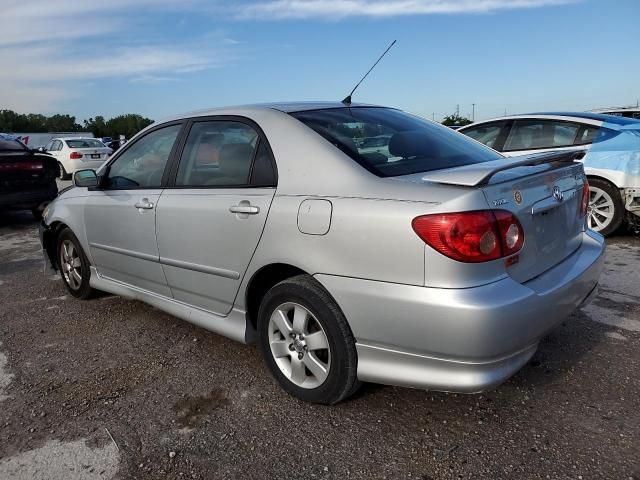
[
  {"x": 584, "y": 204},
  {"x": 20, "y": 166},
  {"x": 75, "y": 155},
  {"x": 471, "y": 237}
]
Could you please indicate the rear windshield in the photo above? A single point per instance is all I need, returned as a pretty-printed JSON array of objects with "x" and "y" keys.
[
  {"x": 9, "y": 144},
  {"x": 85, "y": 143},
  {"x": 391, "y": 143}
]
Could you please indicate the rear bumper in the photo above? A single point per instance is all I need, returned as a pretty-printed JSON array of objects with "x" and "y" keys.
[
  {"x": 464, "y": 340},
  {"x": 28, "y": 199}
]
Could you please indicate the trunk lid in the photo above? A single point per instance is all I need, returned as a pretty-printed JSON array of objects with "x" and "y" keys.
[
  {"x": 22, "y": 171},
  {"x": 544, "y": 192}
]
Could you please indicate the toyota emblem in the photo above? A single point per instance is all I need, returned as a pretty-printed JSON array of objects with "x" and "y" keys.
[{"x": 557, "y": 193}]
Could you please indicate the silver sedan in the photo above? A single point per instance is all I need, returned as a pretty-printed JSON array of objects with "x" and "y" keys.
[{"x": 430, "y": 262}]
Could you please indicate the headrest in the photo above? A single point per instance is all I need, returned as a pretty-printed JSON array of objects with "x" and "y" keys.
[
  {"x": 212, "y": 138},
  {"x": 235, "y": 159},
  {"x": 410, "y": 144}
]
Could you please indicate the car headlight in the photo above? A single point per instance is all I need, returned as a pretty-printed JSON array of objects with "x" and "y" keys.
[{"x": 45, "y": 212}]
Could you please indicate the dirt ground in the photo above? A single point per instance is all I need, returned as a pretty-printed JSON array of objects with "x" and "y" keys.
[{"x": 114, "y": 389}]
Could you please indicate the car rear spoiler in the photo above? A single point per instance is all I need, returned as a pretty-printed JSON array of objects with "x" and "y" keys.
[{"x": 480, "y": 173}]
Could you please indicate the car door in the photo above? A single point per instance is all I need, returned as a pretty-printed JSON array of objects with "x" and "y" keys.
[
  {"x": 209, "y": 221},
  {"x": 120, "y": 216},
  {"x": 540, "y": 135}
]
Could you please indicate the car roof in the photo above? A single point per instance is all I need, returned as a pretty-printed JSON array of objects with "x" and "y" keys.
[
  {"x": 74, "y": 138},
  {"x": 583, "y": 117},
  {"x": 594, "y": 116},
  {"x": 286, "y": 107}
]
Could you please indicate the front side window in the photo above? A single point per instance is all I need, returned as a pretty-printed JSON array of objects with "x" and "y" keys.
[
  {"x": 217, "y": 153},
  {"x": 142, "y": 164},
  {"x": 487, "y": 134},
  {"x": 391, "y": 143},
  {"x": 535, "y": 134}
]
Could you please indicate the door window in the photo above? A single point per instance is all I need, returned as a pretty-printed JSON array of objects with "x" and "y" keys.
[
  {"x": 142, "y": 164},
  {"x": 217, "y": 153},
  {"x": 487, "y": 134},
  {"x": 534, "y": 134}
]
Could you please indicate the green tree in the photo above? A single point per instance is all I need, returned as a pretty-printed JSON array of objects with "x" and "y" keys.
[
  {"x": 455, "y": 119},
  {"x": 127, "y": 125}
]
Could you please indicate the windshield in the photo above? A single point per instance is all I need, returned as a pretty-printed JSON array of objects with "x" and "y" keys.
[
  {"x": 391, "y": 143},
  {"x": 8, "y": 144},
  {"x": 85, "y": 143}
]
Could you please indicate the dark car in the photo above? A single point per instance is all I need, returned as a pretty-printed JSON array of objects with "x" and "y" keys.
[{"x": 27, "y": 177}]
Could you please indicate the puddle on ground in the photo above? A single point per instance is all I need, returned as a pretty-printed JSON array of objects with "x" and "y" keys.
[
  {"x": 191, "y": 410},
  {"x": 62, "y": 461}
]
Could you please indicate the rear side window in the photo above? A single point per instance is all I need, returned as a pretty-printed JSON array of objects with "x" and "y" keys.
[
  {"x": 534, "y": 134},
  {"x": 593, "y": 134},
  {"x": 221, "y": 153},
  {"x": 390, "y": 143}
]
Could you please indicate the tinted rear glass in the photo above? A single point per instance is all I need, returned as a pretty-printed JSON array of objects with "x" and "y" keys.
[
  {"x": 10, "y": 144},
  {"x": 85, "y": 143},
  {"x": 391, "y": 143}
]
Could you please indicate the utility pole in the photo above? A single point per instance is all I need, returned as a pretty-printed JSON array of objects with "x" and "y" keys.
[
  {"x": 473, "y": 112},
  {"x": 433, "y": 116},
  {"x": 458, "y": 110}
]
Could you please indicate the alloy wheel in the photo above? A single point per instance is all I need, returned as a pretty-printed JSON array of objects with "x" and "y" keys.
[
  {"x": 71, "y": 264},
  {"x": 601, "y": 209},
  {"x": 299, "y": 345}
]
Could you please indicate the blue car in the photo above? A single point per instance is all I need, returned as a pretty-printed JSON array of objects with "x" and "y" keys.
[{"x": 611, "y": 146}]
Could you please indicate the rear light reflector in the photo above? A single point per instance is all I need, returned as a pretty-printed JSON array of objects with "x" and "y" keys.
[
  {"x": 584, "y": 204},
  {"x": 75, "y": 155},
  {"x": 20, "y": 166},
  {"x": 471, "y": 237}
]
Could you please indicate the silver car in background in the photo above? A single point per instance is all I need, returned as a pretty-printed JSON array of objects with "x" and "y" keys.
[{"x": 432, "y": 262}]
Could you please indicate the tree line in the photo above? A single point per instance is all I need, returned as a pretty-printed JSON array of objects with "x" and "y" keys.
[{"x": 127, "y": 125}]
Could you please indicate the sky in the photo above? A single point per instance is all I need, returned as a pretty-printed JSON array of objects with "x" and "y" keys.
[{"x": 161, "y": 57}]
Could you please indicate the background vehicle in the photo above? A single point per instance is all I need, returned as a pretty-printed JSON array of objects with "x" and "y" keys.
[
  {"x": 37, "y": 140},
  {"x": 268, "y": 223},
  {"x": 77, "y": 153},
  {"x": 27, "y": 178},
  {"x": 629, "y": 112},
  {"x": 611, "y": 162}
]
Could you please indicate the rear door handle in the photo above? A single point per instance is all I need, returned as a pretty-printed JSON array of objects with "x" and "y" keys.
[
  {"x": 144, "y": 204},
  {"x": 245, "y": 209}
]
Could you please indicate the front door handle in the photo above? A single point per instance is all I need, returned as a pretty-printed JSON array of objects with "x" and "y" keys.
[
  {"x": 144, "y": 204},
  {"x": 245, "y": 209}
]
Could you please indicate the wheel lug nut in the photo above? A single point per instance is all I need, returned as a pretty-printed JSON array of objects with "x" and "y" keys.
[
  {"x": 291, "y": 347},
  {"x": 300, "y": 355}
]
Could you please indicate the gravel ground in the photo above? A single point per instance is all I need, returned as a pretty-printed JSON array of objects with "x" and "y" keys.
[{"x": 113, "y": 388}]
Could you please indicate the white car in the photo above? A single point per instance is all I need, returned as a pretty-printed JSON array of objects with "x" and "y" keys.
[
  {"x": 77, "y": 153},
  {"x": 611, "y": 160}
]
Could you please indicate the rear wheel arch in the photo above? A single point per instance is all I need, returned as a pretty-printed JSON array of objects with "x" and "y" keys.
[{"x": 262, "y": 281}]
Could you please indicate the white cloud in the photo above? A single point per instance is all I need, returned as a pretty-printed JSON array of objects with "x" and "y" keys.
[
  {"x": 337, "y": 9},
  {"x": 49, "y": 49}
]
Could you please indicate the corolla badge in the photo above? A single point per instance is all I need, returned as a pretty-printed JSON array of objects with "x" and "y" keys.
[{"x": 557, "y": 193}]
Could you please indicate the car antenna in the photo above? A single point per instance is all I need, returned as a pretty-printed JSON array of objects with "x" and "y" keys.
[{"x": 347, "y": 99}]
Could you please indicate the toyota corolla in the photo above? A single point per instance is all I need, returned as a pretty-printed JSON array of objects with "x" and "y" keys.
[{"x": 433, "y": 262}]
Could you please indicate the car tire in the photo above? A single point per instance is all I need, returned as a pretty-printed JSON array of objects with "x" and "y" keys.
[
  {"x": 606, "y": 210},
  {"x": 73, "y": 265},
  {"x": 296, "y": 311},
  {"x": 63, "y": 173}
]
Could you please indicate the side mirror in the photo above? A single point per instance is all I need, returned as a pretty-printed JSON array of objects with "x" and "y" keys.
[
  {"x": 85, "y": 178},
  {"x": 41, "y": 149}
]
